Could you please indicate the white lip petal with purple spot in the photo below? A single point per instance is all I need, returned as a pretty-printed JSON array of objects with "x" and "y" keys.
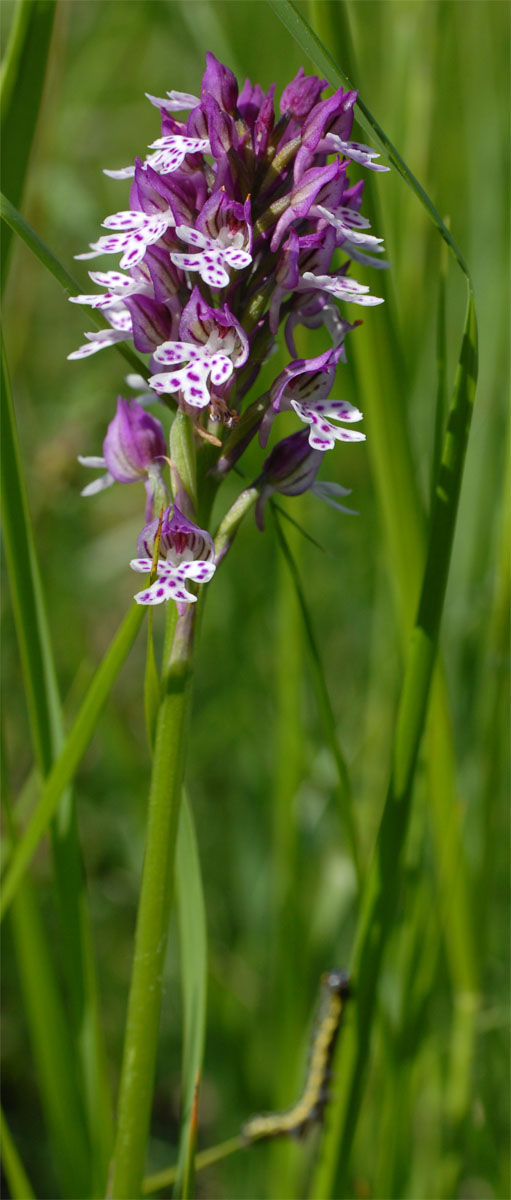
[
  {"x": 174, "y": 352},
  {"x": 357, "y": 151},
  {"x": 167, "y": 588},
  {"x": 323, "y": 434}
]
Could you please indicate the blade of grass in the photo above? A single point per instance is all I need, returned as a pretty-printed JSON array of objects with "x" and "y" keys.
[
  {"x": 21, "y": 87},
  {"x": 379, "y": 363},
  {"x": 49, "y": 1034},
  {"x": 381, "y": 891},
  {"x": 193, "y": 950},
  {"x": 12, "y": 218},
  {"x": 14, "y": 1171},
  {"x": 47, "y": 730},
  {"x": 72, "y": 752},
  {"x": 324, "y": 704}
]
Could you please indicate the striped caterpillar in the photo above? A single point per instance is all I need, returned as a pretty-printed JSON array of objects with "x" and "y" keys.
[{"x": 335, "y": 991}]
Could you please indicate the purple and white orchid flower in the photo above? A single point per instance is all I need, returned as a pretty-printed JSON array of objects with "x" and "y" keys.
[
  {"x": 186, "y": 553},
  {"x": 219, "y": 345}
]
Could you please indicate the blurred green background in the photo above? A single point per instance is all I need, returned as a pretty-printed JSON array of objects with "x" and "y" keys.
[{"x": 278, "y": 881}]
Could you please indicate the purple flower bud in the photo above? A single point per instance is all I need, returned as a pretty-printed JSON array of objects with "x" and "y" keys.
[
  {"x": 301, "y": 95},
  {"x": 291, "y": 469},
  {"x": 134, "y": 441},
  {"x": 220, "y": 82}
]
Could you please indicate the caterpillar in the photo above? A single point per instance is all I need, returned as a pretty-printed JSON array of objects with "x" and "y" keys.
[{"x": 335, "y": 991}]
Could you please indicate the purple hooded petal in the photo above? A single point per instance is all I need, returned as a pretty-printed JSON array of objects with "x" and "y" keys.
[
  {"x": 221, "y": 215},
  {"x": 218, "y": 81},
  {"x": 300, "y": 96},
  {"x": 152, "y": 322},
  {"x": 302, "y": 197},
  {"x": 221, "y": 129},
  {"x": 181, "y": 540},
  {"x": 134, "y": 441},
  {"x": 264, "y": 124}
]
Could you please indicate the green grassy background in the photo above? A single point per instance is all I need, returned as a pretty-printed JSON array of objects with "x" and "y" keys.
[{"x": 278, "y": 879}]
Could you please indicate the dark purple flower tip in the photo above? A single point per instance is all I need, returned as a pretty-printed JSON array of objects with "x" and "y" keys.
[
  {"x": 219, "y": 128},
  {"x": 250, "y": 102},
  {"x": 220, "y": 83},
  {"x": 134, "y": 441},
  {"x": 300, "y": 96},
  {"x": 180, "y": 538}
]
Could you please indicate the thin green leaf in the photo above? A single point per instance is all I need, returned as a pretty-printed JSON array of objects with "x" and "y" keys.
[
  {"x": 325, "y": 707},
  {"x": 205, "y": 1158},
  {"x": 12, "y": 218},
  {"x": 23, "y": 75},
  {"x": 193, "y": 950},
  {"x": 382, "y": 888},
  {"x": 14, "y": 1171},
  {"x": 49, "y": 1034},
  {"x": 48, "y": 736},
  {"x": 442, "y": 395},
  {"x": 300, "y": 29},
  {"x": 73, "y": 750}
]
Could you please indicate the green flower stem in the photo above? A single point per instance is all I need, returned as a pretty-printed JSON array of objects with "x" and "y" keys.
[{"x": 136, "y": 1088}]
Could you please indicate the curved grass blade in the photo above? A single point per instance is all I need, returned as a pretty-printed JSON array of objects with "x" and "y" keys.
[
  {"x": 72, "y": 752},
  {"x": 193, "y": 950},
  {"x": 14, "y": 1171},
  {"x": 12, "y": 218},
  {"x": 300, "y": 29},
  {"x": 381, "y": 892},
  {"x": 324, "y": 704},
  {"x": 48, "y": 735},
  {"x": 205, "y": 1158},
  {"x": 21, "y": 87}
]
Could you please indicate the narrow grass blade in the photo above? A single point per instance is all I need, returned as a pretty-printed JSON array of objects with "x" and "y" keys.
[
  {"x": 23, "y": 75},
  {"x": 193, "y": 950},
  {"x": 300, "y": 29},
  {"x": 381, "y": 891},
  {"x": 72, "y": 752},
  {"x": 48, "y": 735},
  {"x": 49, "y": 1035},
  {"x": 324, "y": 704},
  {"x": 12, "y": 218},
  {"x": 442, "y": 394},
  {"x": 15, "y": 1174}
]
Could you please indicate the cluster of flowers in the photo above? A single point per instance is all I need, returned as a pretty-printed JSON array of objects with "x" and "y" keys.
[{"x": 234, "y": 219}]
